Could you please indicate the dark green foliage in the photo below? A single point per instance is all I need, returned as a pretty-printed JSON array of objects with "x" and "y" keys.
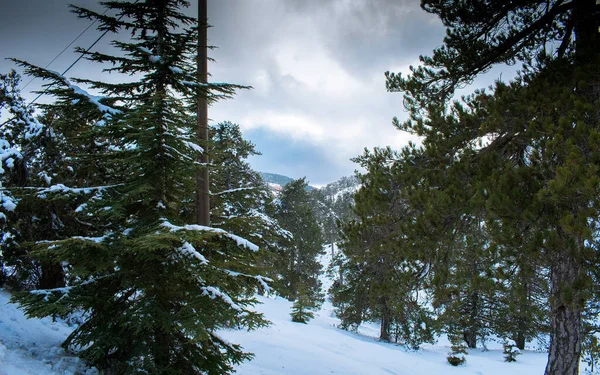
[
  {"x": 302, "y": 310},
  {"x": 458, "y": 350},
  {"x": 155, "y": 290},
  {"x": 382, "y": 273},
  {"x": 299, "y": 267},
  {"x": 524, "y": 160},
  {"x": 241, "y": 202},
  {"x": 510, "y": 351}
]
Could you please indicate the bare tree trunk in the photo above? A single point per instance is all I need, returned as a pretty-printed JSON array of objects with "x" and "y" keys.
[
  {"x": 202, "y": 183},
  {"x": 384, "y": 333},
  {"x": 565, "y": 316},
  {"x": 52, "y": 276}
]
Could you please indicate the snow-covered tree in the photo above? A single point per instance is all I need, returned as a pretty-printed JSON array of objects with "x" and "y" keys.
[{"x": 154, "y": 288}]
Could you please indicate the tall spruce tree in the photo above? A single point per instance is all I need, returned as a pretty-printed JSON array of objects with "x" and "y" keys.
[{"x": 154, "y": 289}]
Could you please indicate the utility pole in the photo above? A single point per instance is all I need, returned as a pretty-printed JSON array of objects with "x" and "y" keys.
[{"x": 202, "y": 182}]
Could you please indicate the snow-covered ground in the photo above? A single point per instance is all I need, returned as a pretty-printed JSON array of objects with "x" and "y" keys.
[
  {"x": 32, "y": 347},
  {"x": 319, "y": 347}
]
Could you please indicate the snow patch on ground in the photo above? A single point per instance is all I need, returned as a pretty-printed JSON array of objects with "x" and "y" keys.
[{"x": 32, "y": 346}]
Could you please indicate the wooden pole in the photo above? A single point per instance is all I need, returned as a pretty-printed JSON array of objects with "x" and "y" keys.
[{"x": 202, "y": 181}]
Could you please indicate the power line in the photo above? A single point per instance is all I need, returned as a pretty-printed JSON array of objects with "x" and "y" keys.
[
  {"x": 67, "y": 47},
  {"x": 80, "y": 57}
]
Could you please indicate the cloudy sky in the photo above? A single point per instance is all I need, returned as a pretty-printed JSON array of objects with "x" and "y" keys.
[{"x": 317, "y": 68}]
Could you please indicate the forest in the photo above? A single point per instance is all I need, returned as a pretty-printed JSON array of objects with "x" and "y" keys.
[{"x": 124, "y": 212}]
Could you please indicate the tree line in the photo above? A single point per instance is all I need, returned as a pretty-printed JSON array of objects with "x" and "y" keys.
[
  {"x": 490, "y": 225},
  {"x": 97, "y": 207}
]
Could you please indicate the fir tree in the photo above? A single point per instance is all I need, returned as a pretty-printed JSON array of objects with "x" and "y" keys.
[
  {"x": 303, "y": 306},
  {"x": 155, "y": 288}
]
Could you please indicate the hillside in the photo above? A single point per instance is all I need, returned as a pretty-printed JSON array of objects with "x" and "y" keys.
[
  {"x": 32, "y": 347},
  {"x": 274, "y": 180}
]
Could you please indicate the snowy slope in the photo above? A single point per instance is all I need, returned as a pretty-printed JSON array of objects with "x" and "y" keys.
[
  {"x": 32, "y": 346},
  {"x": 320, "y": 348},
  {"x": 317, "y": 348}
]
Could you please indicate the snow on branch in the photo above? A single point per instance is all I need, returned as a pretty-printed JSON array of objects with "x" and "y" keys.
[
  {"x": 93, "y": 99},
  {"x": 60, "y": 188},
  {"x": 194, "y": 146},
  {"x": 194, "y": 227},
  {"x": 152, "y": 57},
  {"x": 213, "y": 293},
  {"x": 235, "y": 190},
  {"x": 189, "y": 250},
  {"x": 263, "y": 280},
  {"x": 63, "y": 290},
  {"x": 91, "y": 239}
]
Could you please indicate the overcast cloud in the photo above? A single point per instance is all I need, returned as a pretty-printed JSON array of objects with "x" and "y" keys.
[{"x": 316, "y": 67}]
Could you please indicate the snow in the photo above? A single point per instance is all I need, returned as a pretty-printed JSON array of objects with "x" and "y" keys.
[
  {"x": 189, "y": 250},
  {"x": 32, "y": 346},
  {"x": 8, "y": 203},
  {"x": 194, "y": 146},
  {"x": 213, "y": 293},
  {"x": 346, "y": 191},
  {"x": 93, "y": 99},
  {"x": 194, "y": 227},
  {"x": 234, "y": 190},
  {"x": 320, "y": 348}
]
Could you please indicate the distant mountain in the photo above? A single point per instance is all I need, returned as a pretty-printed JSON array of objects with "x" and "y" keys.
[
  {"x": 275, "y": 178},
  {"x": 333, "y": 204},
  {"x": 278, "y": 181}
]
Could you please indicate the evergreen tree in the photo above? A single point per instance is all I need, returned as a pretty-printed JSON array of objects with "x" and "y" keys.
[
  {"x": 383, "y": 275},
  {"x": 510, "y": 351},
  {"x": 303, "y": 306},
  {"x": 548, "y": 151},
  {"x": 155, "y": 289},
  {"x": 458, "y": 351},
  {"x": 241, "y": 201},
  {"x": 299, "y": 266}
]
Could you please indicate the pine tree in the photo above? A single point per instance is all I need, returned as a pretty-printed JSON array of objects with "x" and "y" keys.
[
  {"x": 458, "y": 351},
  {"x": 156, "y": 289},
  {"x": 552, "y": 158},
  {"x": 383, "y": 276},
  {"x": 299, "y": 267},
  {"x": 510, "y": 351}
]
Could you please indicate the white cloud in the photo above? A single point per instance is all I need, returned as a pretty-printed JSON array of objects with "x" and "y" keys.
[{"x": 310, "y": 65}]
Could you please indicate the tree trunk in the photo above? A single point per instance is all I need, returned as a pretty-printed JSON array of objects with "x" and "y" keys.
[
  {"x": 565, "y": 316},
  {"x": 52, "y": 276},
  {"x": 520, "y": 340},
  {"x": 384, "y": 333},
  {"x": 470, "y": 336}
]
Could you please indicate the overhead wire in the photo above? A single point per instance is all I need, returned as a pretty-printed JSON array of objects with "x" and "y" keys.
[
  {"x": 80, "y": 57},
  {"x": 67, "y": 47}
]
